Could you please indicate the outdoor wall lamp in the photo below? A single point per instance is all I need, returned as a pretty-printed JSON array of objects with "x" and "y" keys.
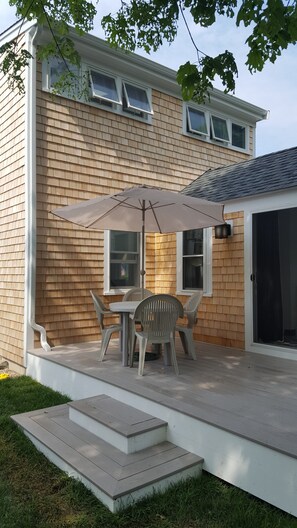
[{"x": 223, "y": 230}]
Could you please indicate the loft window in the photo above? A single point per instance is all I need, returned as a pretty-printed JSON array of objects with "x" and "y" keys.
[
  {"x": 219, "y": 129},
  {"x": 58, "y": 71},
  {"x": 196, "y": 121},
  {"x": 238, "y": 136},
  {"x": 104, "y": 87},
  {"x": 136, "y": 99}
]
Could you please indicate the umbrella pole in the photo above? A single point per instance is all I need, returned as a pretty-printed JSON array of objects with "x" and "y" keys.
[{"x": 142, "y": 272}]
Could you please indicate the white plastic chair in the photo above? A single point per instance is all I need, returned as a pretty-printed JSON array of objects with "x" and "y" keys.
[
  {"x": 106, "y": 331},
  {"x": 186, "y": 332},
  {"x": 157, "y": 315},
  {"x": 136, "y": 294}
]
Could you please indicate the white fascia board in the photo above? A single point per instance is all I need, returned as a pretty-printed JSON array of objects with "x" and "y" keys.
[
  {"x": 15, "y": 30},
  {"x": 98, "y": 52},
  {"x": 281, "y": 199}
]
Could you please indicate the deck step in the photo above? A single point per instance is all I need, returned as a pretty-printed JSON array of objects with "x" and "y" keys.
[
  {"x": 121, "y": 425},
  {"x": 115, "y": 477}
]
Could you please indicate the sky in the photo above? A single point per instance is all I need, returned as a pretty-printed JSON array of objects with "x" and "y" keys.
[{"x": 274, "y": 89}]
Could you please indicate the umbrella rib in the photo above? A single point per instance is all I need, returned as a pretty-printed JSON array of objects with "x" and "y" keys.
[
  {"x": 151, "y": 207},
  {"x": 199, "y": 211},
  {"x": 119, "y": 203}
]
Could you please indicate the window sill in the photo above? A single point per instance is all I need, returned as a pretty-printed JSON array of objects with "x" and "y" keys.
[{"x": 190, "y": 292}]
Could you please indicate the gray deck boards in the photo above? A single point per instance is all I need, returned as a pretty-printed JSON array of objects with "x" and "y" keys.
[
  {"x": 123, "y": 419},
  {"x": 115, "y": 473},
  {"x": 252, "y": 395}
]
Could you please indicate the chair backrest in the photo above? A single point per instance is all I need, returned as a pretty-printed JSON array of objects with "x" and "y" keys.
[
  {"x": 158, "y": 315},
  {"x": 99, "y": 307},
  {"x": 137, "y": 294},
  {"x": 191, "y": 308}
]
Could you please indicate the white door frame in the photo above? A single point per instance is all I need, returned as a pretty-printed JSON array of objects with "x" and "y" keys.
[{"x": 258, "y": 204}]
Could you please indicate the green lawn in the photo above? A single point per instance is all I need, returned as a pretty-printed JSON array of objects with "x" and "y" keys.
[{"x": 36, "y": 494}]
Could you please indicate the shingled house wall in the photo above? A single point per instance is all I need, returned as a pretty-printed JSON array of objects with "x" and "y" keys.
[
  {"x": 12, "y": 223},
  {"x": 84, "y": 151}
]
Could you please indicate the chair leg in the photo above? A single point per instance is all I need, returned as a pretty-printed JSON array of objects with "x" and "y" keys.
[
  {"x": 104, "y": 344},
  {"x": 142, "y": 351},
  {"x": 187, "y": 341},
  {"x": 173, "y": 356},
  {"x": 132, "y": 349}
]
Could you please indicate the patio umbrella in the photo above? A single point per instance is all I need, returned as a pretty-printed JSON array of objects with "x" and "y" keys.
[{"x": 144, "y": 209}]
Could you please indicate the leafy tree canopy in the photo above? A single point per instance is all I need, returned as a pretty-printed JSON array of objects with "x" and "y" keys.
[{"x": 147, "y": 24}]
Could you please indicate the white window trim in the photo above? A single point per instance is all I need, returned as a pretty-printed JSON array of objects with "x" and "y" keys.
[
  {"x": 228, "y": 126},
  {"x": 115, "y": 108},
  {"x": 106, "y": 267},
  {"x": 197, "y": 132},
  {"x": 207, "y": 264},
  {"x": 117, "y": 85},
  {"x": 246, "y": 138},
  {"x": 148, "y": 95},
  {"x": 206, "y": 137}
]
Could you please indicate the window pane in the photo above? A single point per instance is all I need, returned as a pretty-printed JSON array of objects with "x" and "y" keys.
[
  {"x": 192, "y": 273},
  {"x": 197, "y": 121},
  {"x": 124, "y": 259},
  {"x": 59, "y": 68},
  {"x": 238, "y": 136},
  {"x": 220, "y": 130},
  {"x": 193, "y": 242},
  {"x": 104, "y": 87},
  {"x": 124, "y": 275},
  {"x": 137, "y": 98},
  {"x": 124, "y": 241}
]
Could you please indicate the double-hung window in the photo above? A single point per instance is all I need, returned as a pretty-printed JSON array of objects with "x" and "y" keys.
[
  {"x": 194, "y": 260},
  {"x": 122, "y": 260}
]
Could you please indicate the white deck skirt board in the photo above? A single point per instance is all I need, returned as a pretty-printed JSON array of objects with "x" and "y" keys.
[
  {"x": 235, "y": 409},
  {"x": 115, "y": 478},
  {"x": 121, "y": 425}
]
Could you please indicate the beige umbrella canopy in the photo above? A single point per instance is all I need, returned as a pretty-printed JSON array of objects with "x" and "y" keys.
[{"x": 144, "y": 209}]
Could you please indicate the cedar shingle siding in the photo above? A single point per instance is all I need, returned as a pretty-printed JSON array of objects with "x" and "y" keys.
[{"x": 83, "y": 151}]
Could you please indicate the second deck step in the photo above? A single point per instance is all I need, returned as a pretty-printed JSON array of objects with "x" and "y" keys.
[{"x": 119, "y": 424}]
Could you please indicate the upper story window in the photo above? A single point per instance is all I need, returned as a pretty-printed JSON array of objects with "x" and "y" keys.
[
  {"x": 101, "y": 88},
  {"x": 238, "y": 136},
  {"x": 219, "y": 128},
  {"x": 214, "y": 128},
  {"x": 58, "y": 70},
  {"x": 197, "y": 121},
  {"x": 120, "y": 96},
  {"x": 104, "y": 87},
  {"x": 194, "y": 260},
  {"x": 136, "y": 98}
]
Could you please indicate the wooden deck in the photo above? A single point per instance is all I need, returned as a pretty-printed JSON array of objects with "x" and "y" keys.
[{"x": 245, "y": 406}]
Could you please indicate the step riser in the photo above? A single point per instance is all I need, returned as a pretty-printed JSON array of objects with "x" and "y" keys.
[
  {"x": 128, "y": 445},
  {"x": 114, "y": 505}
]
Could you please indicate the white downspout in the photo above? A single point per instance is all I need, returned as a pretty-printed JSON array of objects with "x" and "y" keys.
[{"x": 30, "y": 203}]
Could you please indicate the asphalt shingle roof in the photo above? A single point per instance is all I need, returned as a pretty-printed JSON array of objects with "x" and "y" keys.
[{"x": 265, "y": 174}]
